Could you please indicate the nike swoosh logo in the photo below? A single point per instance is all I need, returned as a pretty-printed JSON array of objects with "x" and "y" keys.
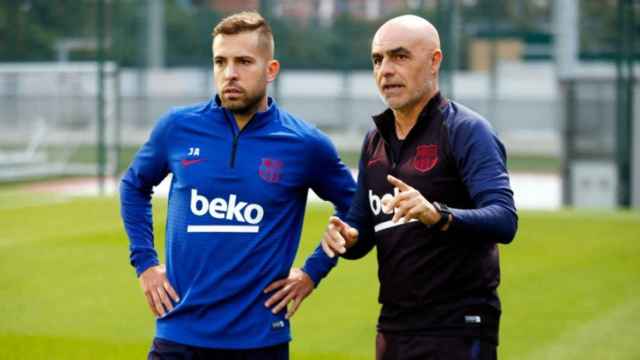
[
  {"x": 187, "y": 162},
  {"x": 373, "y": 162}
]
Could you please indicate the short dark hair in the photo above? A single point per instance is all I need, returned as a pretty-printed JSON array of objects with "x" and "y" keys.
[{"x": 246, "y": 21}]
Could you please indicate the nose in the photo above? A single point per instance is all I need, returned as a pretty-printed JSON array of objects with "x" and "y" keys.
[
  {"x": 230, "y": 72},
  {"x": 386, "y": 68}
]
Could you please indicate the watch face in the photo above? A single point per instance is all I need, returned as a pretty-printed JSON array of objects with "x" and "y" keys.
[{"x": 443, "y": 209}]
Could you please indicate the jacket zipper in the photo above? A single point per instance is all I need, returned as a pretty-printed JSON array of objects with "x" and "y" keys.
[
  {"x": 234, "y": 148},
  {"x": 234, "y": 144}
]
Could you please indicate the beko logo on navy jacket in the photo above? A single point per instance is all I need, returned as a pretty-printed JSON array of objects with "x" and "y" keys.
[
  {"x": 230, "y": 209},
  {"x": 378, "y": 204}
]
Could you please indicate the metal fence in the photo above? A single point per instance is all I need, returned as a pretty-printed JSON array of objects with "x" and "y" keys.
[
  {"x": 529, "y": 119},
  {"x": 592, "y": 152},
  {"x": 48, "y": 120}
]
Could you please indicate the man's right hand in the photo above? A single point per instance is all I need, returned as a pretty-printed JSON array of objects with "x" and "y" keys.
[
  {"x": 157, "y": 290},
  {"x": 338, "y": 237}
]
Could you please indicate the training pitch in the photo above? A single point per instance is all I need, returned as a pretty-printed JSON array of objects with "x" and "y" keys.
[{"x": 570, "y": 286}]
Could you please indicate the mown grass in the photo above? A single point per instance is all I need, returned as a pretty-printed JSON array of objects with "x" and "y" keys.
[{"x": 570, "y": 287}]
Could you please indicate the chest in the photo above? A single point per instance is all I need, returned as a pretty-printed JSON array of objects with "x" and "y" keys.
[
  {"x": 423, "y": 162},
  {"x": 262, "y": 166}
]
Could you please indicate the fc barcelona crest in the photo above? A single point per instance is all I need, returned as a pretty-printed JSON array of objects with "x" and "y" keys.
[
  {"x": 426, "y": 157},
  {"x": 270, "y": 170}
]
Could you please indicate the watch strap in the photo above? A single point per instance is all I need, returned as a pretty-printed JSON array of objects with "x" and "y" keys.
[{"x": 444, "y": 215}]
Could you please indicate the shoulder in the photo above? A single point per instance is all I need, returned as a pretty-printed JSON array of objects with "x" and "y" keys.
[
  {"x": 470, "y": 134},
  {"x": 295, "y": 124},
  {"x": 301, "y": 129},
  {"x": 201, "y": 109},
  {"x": 371, "y": 134},
  {"x": 315, "y": 144},
  {"x": 178, "y": 115},
  {"x": 464, "y": 123},
  {"x": 371, "y": 139},
  {"x": 460, "y": 116}
]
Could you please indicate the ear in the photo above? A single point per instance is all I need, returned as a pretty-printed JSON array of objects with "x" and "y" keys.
[
  {"x": 436, "y": 60},
  {"x": 273, "y": 68}
]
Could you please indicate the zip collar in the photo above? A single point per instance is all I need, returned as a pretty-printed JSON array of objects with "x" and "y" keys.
[
  {"x": 385, "y": 121},
  {"x": 258, "y": 120}
]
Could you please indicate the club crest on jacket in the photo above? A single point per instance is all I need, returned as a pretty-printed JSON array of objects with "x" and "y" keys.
[
  {"x": 270, "y": 170},
  {"x": 426, "y": 157}
]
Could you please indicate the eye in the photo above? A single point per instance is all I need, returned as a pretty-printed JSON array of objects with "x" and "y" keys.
[
  {"x": 376, "y": 60},
  {"x": 245, "y": 61},
  {"x": 402, "y": 57},
  {"x": 217, "y": 61}
]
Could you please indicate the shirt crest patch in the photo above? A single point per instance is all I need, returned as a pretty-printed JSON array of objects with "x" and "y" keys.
[
  {"x": 270, "y": 170},
  {"x": 426, "y": 157}
]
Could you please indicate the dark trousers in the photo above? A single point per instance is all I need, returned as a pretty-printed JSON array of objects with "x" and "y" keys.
[
  {"x": 168, "y": 350},
  {"x": 424, "y": 347}
]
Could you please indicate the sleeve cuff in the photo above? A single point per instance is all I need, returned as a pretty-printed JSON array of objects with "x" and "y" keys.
[
  {"x": 144, "y": 265},
  {"x": 316, "y": 271}
]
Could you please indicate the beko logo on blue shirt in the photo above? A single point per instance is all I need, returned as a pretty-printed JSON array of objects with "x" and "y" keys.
[{"x": 225, "y": 209}]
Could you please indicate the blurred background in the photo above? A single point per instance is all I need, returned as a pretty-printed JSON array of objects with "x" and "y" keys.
[{"x": 82, "y": 82}]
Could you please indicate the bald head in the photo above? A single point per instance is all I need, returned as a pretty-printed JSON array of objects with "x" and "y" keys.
[
  {"x": 406, "y": 57},
  {"x": 409, "y": 27}
]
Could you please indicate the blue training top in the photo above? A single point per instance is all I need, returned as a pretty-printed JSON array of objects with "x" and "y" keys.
[{"x": 235, "y": 212}]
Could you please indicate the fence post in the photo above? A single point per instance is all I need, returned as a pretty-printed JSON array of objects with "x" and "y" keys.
[{"x": 100, "y": 100}]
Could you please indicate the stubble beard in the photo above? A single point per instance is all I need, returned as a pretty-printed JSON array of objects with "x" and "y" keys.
[
  {"x": 245, "y": 106},
  {"x": 413, "y": 99}
]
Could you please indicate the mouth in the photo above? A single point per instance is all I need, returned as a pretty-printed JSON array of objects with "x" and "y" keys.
[
  {"x": 232, "y": 90},
  {"x": 391, "y": 87}
]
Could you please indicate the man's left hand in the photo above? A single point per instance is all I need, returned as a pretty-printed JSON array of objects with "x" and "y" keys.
[{"x": 294, "y": 288}]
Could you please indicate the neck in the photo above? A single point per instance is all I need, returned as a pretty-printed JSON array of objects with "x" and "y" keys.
[
  {"x": 242, "y": 119},
  {"x": 406, "y": 118}
]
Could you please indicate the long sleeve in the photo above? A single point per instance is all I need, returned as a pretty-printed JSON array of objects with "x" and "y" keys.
[
  {"x": 149, "y": 168},
  {"x": 481, "y": 158},
  {"x": 332, "y": 181},
  {"x": 359, "y": 218}
]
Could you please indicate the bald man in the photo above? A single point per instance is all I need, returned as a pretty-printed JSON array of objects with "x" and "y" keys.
[{"x": 434, "y": 198}]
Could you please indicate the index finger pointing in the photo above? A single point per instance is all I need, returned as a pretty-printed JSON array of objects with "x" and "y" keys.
[
  {"x": 336, "y": 222},
  {"x": 398, "y": 183}
]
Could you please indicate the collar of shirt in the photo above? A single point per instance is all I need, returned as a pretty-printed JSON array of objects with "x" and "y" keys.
[
  {"x": 385, "y": 121},
  {"x": 259, "y": 119}
]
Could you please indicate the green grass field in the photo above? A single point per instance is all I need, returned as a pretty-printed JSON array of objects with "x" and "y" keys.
[{"x": 570, "y": 290}]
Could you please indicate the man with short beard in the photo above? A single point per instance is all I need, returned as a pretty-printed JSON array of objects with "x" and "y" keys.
[
  {"x": 241, "y": 167},
  {"x": 434, "y": 198}
]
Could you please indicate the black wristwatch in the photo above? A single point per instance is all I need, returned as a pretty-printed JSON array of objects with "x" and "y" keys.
[{"x": 444, "y": 213}]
